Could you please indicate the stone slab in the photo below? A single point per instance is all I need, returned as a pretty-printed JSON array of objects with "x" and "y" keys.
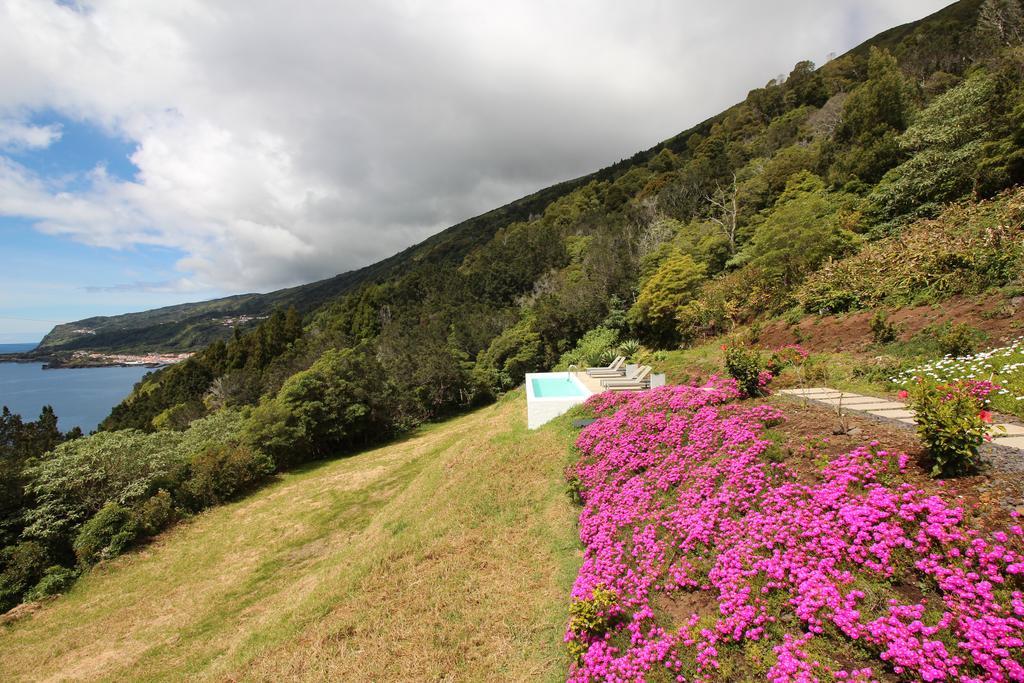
[
  {"x": 1011, "y": 441},
  {"x": 808, "y": 391},
  {"x": 880, "y": 405},
  {"x": 849, "y": 400},
  {"x": 908, "y": 420},
  {"x": 896, "y": 413},
  {"x": 1008, "y": 430}
]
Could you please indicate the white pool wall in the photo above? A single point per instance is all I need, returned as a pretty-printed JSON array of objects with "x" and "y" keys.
[{"x": 540, "y": 410}]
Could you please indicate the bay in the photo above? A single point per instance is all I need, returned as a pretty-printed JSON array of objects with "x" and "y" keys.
[{"x": 81, "y": 397}]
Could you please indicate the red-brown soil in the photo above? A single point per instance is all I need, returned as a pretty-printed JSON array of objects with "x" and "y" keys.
[{"x": 999, "y": 317}]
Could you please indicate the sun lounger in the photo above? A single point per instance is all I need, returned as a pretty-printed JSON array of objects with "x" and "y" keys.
[
  {"x": 638, "y": 376},
  {"x": 615, "y": 369}
]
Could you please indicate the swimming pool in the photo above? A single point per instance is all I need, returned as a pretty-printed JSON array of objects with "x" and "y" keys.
[
  {"x": 560, "y": 385},
  {"x": 550, "y": 394}
]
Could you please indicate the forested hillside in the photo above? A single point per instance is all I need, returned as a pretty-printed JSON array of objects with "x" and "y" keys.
[{"x": 761, "y": 211}]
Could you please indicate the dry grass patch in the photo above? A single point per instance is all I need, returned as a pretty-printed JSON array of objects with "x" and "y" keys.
[{"x": 448, "y": 556}]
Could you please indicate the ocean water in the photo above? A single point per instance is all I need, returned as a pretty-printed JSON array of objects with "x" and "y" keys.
[
  {"x": 16, "y": 348},
  {"x": 81, "y": 397}
]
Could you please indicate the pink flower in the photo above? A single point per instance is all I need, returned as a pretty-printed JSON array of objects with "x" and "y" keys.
[
  {"x": 986, "y": 416},
  {"x": 902, "y": 394}
]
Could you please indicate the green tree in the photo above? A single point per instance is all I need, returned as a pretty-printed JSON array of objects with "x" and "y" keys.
[
  {"x": 799, "y": 233},
  {"x": 945, "y": 144},
  {"x": 874, "y": 114},
  {"x": 342, "y": 400},
  {"x": 671, "y": 287}
]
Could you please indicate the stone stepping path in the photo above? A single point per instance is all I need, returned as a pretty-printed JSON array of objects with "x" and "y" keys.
[{"x": 1011, "y": 435}]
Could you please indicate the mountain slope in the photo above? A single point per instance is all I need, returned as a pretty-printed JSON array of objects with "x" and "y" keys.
[{"x": 449, "y": 553}]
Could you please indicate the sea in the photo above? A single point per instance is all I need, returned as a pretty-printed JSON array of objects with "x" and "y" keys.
[{"x": 81, "y": 397}]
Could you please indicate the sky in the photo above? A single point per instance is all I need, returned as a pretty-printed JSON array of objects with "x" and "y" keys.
[{"x": 155, "y": 152}]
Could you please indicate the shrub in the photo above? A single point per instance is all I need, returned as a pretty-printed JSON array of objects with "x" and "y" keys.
[
  {"x": 156, "y": 513},
  {"x": 107, "y": 534},
  {"x": 629, "y": 348},
  {"x": 56, "y": 579},
  {"x": 958, "y": 340},
  {"x": 967, "y": 249},
  {"x": 81, "y": 476},
  {"x": 786, "y": 356},
  {"x": 596, "y": 347},
  {"x": 22, "y": 565},
  {"x": 590, "y": 619},
  {"x": 510, "y": 355},
  {"x": 883, "y": 331},
  {"x": 220, "y": 472},
  {"x": 952, "y": 423},
  {"x": 342, "y": 400},
  {"x": 747, "y": 367}
]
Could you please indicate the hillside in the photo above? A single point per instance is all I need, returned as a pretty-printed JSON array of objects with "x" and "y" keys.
[
  {"x": 190, "y": 326},
  {"x": 939, "y": 42},
  {"x": 447, "y": 554}
]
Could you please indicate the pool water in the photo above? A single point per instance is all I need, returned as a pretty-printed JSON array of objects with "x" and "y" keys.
[{"x": 556, "y": 387}]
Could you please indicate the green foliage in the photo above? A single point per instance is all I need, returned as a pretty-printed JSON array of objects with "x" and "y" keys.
[
  {"x": 511, "y": 355},
  {"x": 80, "y": 477},
  {"x": 671, "y": 287},
  {"x": 56, "y": 579},
  {"x": 107, "y": 534},
  {"x": 219, "y": 473},
  {"x": 156, "y": 513},
  {"x": 958, "y": 340},
  {"x": 21, "y": 565},
  {"x": 950, "y": 424},
  {"x": 873, "y": 116},
  {"x": 804, "y": 229},
  {"x": 590, "y": 618},
  {"x": 341, "y": 401},
  {"x": 597, "y": 347},
  {"x": 629, "y": 348},
  {"x": 21, "y": 443},
  {"x": 966, "y": 250},
  {"x": 945, "y": 144},
  {"x": 747, "y": 366},
  {"x": 883, "y": 331}
]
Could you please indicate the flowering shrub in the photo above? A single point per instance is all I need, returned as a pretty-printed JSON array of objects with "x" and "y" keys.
[
  {"x": 786, "y": 356},
  {"x": 715, "y": 555},
  {"x": 952, "y": 423},
  {"x": 747, "y": 367}
]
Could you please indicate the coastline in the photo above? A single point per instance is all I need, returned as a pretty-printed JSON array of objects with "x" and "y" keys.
[{"x": 93, "y": 359}]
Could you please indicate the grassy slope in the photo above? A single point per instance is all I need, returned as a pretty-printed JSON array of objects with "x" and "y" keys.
[{"x": 448, "y": 555}]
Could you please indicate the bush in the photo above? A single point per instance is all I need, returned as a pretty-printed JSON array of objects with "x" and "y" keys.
[
  {"x": 56, "y": 579},
  {"x": 510, "y": 355},
  {"x": 629, "y": 348},
  {"x": 786, "y": 356},
  {"x": 590, "y": 620},
  {"x": 79, "y": 477},
  {"x": 107, "y": 534},
  {"x": 220, "y": 472},
  {"x": 952, "y": 424},
  {"x": 22, "y": 565},
  {"x": 883, "y": 331},
  {"x": 958, "y": 340},
  {"x": 747, "y": 367},
  {"x": 342, "y": 400},
  {"x": 596, "y": 347},
  {"x": 156, "y": 513}
]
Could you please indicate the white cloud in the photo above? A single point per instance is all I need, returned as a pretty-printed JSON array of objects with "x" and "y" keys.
[
  {"x": 281, "y": 142},
  {"x": 15, "y": 135}
]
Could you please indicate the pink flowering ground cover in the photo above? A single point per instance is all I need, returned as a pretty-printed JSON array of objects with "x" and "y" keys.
[{"x": 707, "y": 557}]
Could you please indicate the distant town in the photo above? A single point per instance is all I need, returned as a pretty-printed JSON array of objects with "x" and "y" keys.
[{"x": 93, "y": 358}]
